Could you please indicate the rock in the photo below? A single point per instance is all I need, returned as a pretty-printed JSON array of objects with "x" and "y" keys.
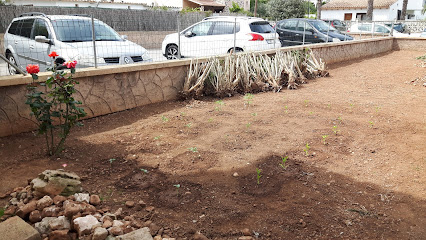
[
  {"x": 26, "y": 209},
  {"x": 246, "y": 232},
  {"x": 59, "y": 235},
  {"x": 119, "y": 213},
  {"x": 89, "y": 209},
  {"x": 82, "y": 197},
  {"x": 58, "y": 199},
  {"x": 55, "y": 182},
  {"x": 110, "y": 238},
  {"x": 43, "y": 227},
  {"x": 142, "y": 204},
  {"x": 235, "y": 174},
  {"x": 154, "y": 228},
  {"x": 52, "y": 211},
  {"x": 99, "y": 233},
  {"x": 84, "y": 225},
  {"x": 117, "y": 223},
  {"x": 35, "y": 216},
  {"x": 245, "y": 238},
  {"x": 150, "y": 208},
  {"x": 60, "y": 223},
  {"x": 16, "y": 228},
  {"x": 71, "y": 209},
  {"x": 115, "y": 231},
  {"x": 130, "y": 204},
  {"x": 107, "y": 223},
  {"x": 160, "y": 238},
  {"x": 95, "y": 200},
  {"x": 199, "y": 236},
  {"x": 46, "y": 201},
  {"x": 140, "y": 234},
  {"x": 11, "y": 210}
]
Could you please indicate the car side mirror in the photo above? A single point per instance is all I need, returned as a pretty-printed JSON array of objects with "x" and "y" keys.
[
  {"x": 43, "y": 39},
  {"x": 189, "y": 34},
  {"x": 124, "y": 37}
]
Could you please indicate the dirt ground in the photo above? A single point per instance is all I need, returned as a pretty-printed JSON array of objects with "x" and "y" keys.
[{"x": 366, "y": 181}]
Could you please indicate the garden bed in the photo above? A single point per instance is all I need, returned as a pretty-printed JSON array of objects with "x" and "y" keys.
[{"x": 196, "y": 161}]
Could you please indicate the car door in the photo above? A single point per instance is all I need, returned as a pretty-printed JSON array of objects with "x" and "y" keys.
[
  {"x": 287, "y": 30},
  {"x": 40, "y": 51},
  {"x": 21, "y": 42},
  {"x": 305, "y": 28},
  {"x": 196, "y": 41},
  {"x": 222, "y": 36}
]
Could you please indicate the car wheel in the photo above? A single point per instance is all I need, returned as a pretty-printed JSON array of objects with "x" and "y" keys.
[
  {"x": 172, "y": 52},
  {"x": 10, "y": 69}
]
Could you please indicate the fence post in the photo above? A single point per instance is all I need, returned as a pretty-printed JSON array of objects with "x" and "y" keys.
[
  {"x": 391, "y": 32},
  {"x": 328, "y": 31},
  {"x": 304, "y": 32},
  {"x": 94, "y": 42},
  {"x": 178, "y": 33},
  {"x": 235, "y": 35},
  {"x": 275, "y": 33},
  {"x": 346, "y": 31}
]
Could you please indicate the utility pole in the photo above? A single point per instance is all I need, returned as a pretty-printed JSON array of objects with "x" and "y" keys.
[{"x": 319, "y": 4}]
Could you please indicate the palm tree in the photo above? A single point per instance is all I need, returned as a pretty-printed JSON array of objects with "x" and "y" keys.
[
  {"x": 370, "y": 8},
  {"x": 404, "y": 9},
  {"x": 319, "y": 3}
]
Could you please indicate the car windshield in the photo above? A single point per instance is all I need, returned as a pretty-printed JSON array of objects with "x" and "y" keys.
[
  {"x": 80, "y": 30},
  {"x": 323, "y": 27},
  {"x": 261, "y": 27}
]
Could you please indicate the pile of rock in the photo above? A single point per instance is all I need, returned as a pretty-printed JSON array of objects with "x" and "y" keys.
[{"x": 75, "y": 216}]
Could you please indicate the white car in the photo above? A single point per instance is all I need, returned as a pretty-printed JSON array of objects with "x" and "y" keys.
[
  {"x": 367, "y": 28},
  {"x": 216, "y": 35}
]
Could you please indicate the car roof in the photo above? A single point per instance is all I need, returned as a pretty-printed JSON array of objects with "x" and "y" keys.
[
  {"x": 234, "y": 18},
  {"x": 51, "y": 17}
]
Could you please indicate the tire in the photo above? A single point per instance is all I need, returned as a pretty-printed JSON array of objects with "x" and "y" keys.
[
  {"x": 11, "y": 70},
  {"x": 237, "y": 50},
  {"x": 172, "y": 52}
]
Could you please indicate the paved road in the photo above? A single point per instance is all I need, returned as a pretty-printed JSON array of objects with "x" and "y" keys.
[{"x": 154, "y": 53}]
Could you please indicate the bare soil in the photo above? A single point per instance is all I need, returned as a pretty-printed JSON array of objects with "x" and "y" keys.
[{"x": 367, "y": 181}]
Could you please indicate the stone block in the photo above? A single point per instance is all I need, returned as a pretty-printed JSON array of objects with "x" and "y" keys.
[
  {"x": 15, "y": 228},
  {"x": 140, "y": 234}
]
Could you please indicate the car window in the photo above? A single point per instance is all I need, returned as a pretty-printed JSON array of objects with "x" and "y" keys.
[
  {"x": 364, "y": 27},
  {"x": 304, "y": 26},
  {"x": 322, "y": 26},
  {"x": 202, "y": 29},
  {"x": 26, "y": 26},
  {"x": 261, "y": 27},
  {"x": 80, "y": 30},
  {"x": 14, "y": 28},
  {"x": 225, "y": 28},
  {"x": 290, "y": 25},
  {"x": 40, "y": 29},
  {"x": 381, "y": 29}
]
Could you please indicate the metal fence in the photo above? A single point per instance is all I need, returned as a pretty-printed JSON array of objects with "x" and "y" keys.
[{"x": 93, "y": 43}]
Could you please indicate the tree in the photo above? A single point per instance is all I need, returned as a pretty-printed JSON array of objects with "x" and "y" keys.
[
  {"x": 282, "y": 9},
  {"x": 255, "y": 8},
  {"x": 261, "y": 7},
  {"x": 319, "y": 4},
  {"x": 404, "y": 9},
  {"x": 370, "y": 8}
]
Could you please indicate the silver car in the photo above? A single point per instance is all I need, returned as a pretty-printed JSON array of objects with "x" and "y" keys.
[{"x": 31, "y": 37}]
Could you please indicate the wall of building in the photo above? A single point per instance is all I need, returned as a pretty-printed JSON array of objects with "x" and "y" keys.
[
  {"x": 116, "y": 88},
  {"x": 378, "y": 14}
]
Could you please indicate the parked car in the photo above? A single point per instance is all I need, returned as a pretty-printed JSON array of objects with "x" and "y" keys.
[
  {"x": 400, "y": 27},
  {"x": 423, "y": 34},
  {"x": 291, "y": 32},
  {"x": 367, "y": 28},
  {"x": 215, "y": 36},
  {"x": 32, "y": 36},
  {"x": 337, "y": 24}
]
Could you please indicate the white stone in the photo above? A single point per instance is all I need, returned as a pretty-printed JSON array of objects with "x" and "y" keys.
[
  {"x": 117, "y": 223},
  {"x": 84, "y": 225},
  {"x": 140, "y": 234},
  {"x": 43, "y": 227},
  {"x": 60, "y": 223},
  {"x": 81, "y": 197},
  {"x": 99, "y": 234}
]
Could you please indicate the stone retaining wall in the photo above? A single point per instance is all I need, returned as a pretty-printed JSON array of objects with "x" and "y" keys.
[{"x": 116, "y": 88}]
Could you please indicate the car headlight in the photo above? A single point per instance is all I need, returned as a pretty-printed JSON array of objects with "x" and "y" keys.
[
  {"x": 336, "y": 40},
  {"x": 89, "y": 60},
  {"x": 146, "y": 57}
]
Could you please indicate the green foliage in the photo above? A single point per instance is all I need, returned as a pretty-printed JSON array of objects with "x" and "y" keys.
[
  {"x": 54, "y": 107},
  {"x": 1, "y": 212},
  {"x": 306, "y": 149},
  {"x": 258, "y": 176},
  {"x": 335, "y": 130},
  {"x": 249, "y": 99},
  {"x": 283, "y": 161},
  {"x": 236, "y": 8},
  {"x": 324, "y": 137},
  {"x": 160, "y": 8},
  {"x": 164, "y": 118},
  {"x": 283, "y": 9},
  {"x": 193, "y": 149}
]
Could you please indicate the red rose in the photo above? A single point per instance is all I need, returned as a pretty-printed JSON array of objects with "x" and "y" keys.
[
  {"x": 53, "y": 54},
  {"x": 33, "y": 69},
  {"x": 70, "y": 64}
]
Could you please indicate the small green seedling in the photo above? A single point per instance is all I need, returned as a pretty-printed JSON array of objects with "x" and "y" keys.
[
  {"x": 164, "y": 118},
  {"x": 210, "y": 119},
  {"x": 335, "y": 130},
  {"x": 258, "y": 176},
  {"x": 306, "y": 103},
  {"x": 284, "y": 160},
  {"x": 371, "y": 124},
  {"x": 286, "y": 109},
  {"x": 111, "y": 160},
  {"x": 306, "y": 149},
  {"x": 254, "y": 114},
  {"x": 188, "y": 125},
  {"x": 377, "y": 109},
  {"x": 144, "y": 170},
  {"x": 183, "y": 114},
  {"x": 157, "y": 137},
  {"x": 193, "y": 149},
  {"x": 248, "y": 125},
  {"x": 220, "y": 103},
  {"x": 311, "y": 113},
  {"x": 248, "y": 97},
  {"x": 329, "y": 105},
  {"x": 177, "y": 186},
  {"x": 324, "y": 137}
]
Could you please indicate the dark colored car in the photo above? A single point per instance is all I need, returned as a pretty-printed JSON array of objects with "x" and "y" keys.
[
  {"x": 298, "y": 30},
  {"x": 337, "y": 24},
  {"x": 400, "y": 27}
]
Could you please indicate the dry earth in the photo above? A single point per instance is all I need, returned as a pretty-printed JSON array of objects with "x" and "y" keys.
[{"x": 367, "y": 181}]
